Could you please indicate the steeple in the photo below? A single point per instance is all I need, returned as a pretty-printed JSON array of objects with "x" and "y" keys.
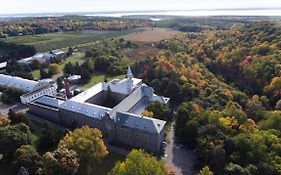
[
  {"x": 130, "y": 82},
  {"x": 129, "y": 73}
]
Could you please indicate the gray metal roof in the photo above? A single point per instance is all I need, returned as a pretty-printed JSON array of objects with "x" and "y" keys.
[
  {"x": 140, "y": 122},
  {"x": 49, "y": 101},
  {"x": 5, "y": 79},
  {"x": 86, "y": 109},
  {"x": 3, "y": 65},
  {"x": 130, "y": 101},
  {"x": 17, "y": 82}
]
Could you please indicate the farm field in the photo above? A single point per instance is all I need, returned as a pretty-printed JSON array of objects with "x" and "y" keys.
[
  {"x": 52, "y": 41},
  {"x": 143, "y": 51},
  {"x": 151, "y": 35}
]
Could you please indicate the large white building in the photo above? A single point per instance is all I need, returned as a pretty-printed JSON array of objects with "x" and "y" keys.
[
  {"x": 43, "y": 57},
  {"x": 114, "y": 107},
  {"x": 32, "y": 89}
]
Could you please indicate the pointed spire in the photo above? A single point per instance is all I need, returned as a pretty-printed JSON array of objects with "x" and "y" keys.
[{"x": 129, "y": 73}]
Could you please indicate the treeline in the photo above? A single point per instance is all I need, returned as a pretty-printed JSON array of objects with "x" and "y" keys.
[
  {"x": 234, "y": 128},
  {"x": 41, "y": 150},
  {"x": 40, "y": 25},
  {"x": 205, "y": 23},
  {"x": 15, "y": 51}
]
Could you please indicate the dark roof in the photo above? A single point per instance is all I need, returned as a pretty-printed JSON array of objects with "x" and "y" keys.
[{"x": 140, "y": 122}]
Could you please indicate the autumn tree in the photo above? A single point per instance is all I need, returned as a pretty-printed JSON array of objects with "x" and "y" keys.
[
  {"x": 62, "y": 161},
  {"x": 206, "y": 171},
  {"x": 53, "y": 69},
  {"x": 88, "y": 144},
  {"x": 12, "y": 137},
  {"x": 139, "y": 163},
  {"x": 160, "y": 111},
  {"x": 26, "y": 156},
  {"x": 4, "y": 121}
]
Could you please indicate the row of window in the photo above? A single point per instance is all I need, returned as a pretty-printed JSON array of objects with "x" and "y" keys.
[{"x": 50, "y": 91}]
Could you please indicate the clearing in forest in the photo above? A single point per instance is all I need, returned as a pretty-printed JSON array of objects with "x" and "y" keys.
[{"x": 151, "y": 35}]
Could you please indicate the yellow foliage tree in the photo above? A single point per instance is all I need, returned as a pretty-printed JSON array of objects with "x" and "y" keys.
[
  {"x": 54, "y": 68},
  {"x": 88, "y": 144},
  {"x": 147, "y": 113},
  {"x": 230, "y": 123},
  {"x": 4, "y": 121},
  {"x": 139, "y": 163}
]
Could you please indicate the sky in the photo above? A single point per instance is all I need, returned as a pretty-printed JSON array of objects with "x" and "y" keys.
[{"x": 47, "y": 6}]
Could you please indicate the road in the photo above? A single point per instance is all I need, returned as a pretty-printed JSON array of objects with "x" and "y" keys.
[{"x": 178, "y": 157}]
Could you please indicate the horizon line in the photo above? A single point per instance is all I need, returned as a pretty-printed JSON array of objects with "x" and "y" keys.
[{"x": 142, "y": 11}]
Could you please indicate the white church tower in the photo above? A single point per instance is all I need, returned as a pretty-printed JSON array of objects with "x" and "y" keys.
[{"x": 130, "y": 82}]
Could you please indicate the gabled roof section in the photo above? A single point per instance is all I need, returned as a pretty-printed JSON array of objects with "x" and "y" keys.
[
  {"x": 5, "y": 79},
  {"x": 24, "y": 84},
  {"x": 126, "y": 104},
  {"x": 86, "y": 109},
  {"x": 3, "y": 65},
  {"x": 17, "y": 82},
  {"x": 84, "y": 96},
  {"x": 139, "y": 122},
  {"x": 49, "y": 101}
]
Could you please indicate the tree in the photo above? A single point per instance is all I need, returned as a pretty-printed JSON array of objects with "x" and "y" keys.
[
  {"x": 278, "y": 105},
  {"x": 147, "y": 113},
  {"x": 61, "y": 161},
  {"x": 12, "y": 137},
  {"x": 26, "y": 156},
  {"x": 44, "y": 74},
  {"x": 139, "y": 163},
  {"x": 89, "y": 53},
  {"x": 11, "y": 94},
  {"x": 240, "y": 97},
  {"x": 53, "y": 69},
  {"x": 17, "y": 117},
  {"x": 272, "y": 122},
  {"x": 85, "y": 75},
  {"x": 69, "y": 52},
  {"x": 60, "y": 83},
  {"x": 160, "y": 111},
  {"x": 49, "y": 139},
  {"x": 218, "y": 160},
  {"x": 235, "y": 169},
  {"x": 4, "y": 121},
  {"x": 254, "y": 108},
  {"x": 233, "y": 109},
  {"x": 35, "y": 64},
  {"x": 206, "y": 171},
  {"x": 88, "y": 144}
]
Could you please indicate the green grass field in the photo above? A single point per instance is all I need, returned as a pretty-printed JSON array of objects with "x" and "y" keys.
[
  {"x": 46, "y": 42},
  {"x": 73, "y": 59}
]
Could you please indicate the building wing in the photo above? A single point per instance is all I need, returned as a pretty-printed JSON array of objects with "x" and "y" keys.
[{"x": 140, "y": 122}]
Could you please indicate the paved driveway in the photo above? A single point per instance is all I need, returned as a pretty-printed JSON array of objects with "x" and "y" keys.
[{"x": 179, "y": 158}]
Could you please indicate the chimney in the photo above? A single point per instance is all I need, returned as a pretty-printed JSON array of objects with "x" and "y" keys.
[{"x": 66, "y": 87}]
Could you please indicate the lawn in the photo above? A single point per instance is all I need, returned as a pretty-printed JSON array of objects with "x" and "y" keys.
[
  {"x": 100, "y": 77},
  {"x": 73, "y": 59},
  {"x": 52, "y": 41},
  {"x": 108, "y": 163}
]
